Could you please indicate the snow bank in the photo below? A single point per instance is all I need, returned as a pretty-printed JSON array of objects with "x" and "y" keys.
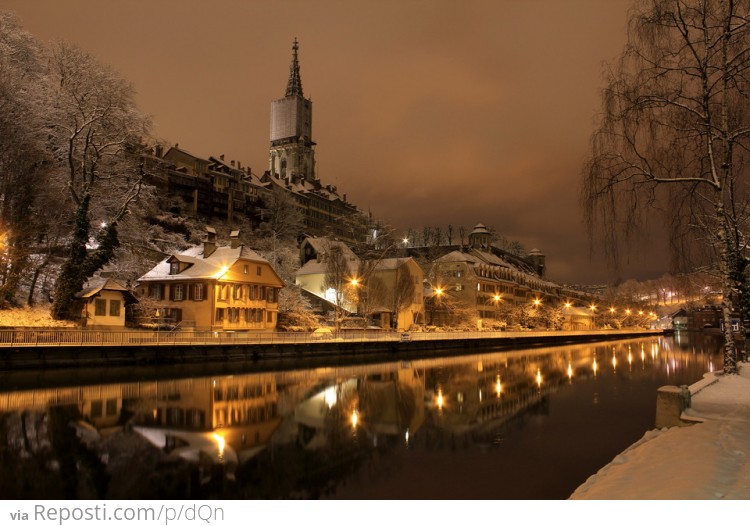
[{"x": 704, "y": 461}]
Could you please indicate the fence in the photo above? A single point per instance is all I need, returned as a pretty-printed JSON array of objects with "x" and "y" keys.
[{"x": 94, "y": 338}]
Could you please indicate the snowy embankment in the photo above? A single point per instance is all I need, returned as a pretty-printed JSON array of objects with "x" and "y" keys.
[{"x": 708, "y": 460}]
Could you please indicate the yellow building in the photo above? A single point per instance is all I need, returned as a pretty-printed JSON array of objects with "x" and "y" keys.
[{"x": 211, "y": 287}]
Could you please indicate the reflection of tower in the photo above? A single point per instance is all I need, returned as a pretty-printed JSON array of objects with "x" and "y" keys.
[{"x": 292, "y": 154}]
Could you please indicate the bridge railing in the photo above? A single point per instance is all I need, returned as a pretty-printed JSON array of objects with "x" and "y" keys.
[{"x": 72, "y": 337}]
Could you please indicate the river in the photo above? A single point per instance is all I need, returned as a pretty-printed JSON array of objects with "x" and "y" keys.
[{"x": 514, "y": 424}]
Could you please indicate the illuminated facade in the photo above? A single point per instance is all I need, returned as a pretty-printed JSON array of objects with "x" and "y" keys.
[{"x": 210, "y": 287}]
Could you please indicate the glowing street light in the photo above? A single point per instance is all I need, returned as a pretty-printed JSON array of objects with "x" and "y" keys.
[
  {"x": 568, "y": 304},
  {"x": 592, "y": 307},
  {"x": 405, "y": 241},
  {"x": 439, "y": 291},
  {"x": 611, "y": 310},
  {"x": 354, "y": 282},
  {"x": 537, "y": 302}
]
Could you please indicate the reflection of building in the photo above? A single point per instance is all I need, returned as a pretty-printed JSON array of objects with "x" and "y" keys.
[{"x": 221, "y": 288}]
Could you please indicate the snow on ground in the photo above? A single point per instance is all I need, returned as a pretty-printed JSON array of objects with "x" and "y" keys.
[
  {"x": 30, "y": 317},
  {"x": 708, "y": 460}
]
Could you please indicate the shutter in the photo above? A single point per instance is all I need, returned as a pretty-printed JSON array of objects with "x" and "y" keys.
[
  {"x": 178, "y": 315},
  {"x": 191, "y": 291},
  {"x": 171, "y": 292}
]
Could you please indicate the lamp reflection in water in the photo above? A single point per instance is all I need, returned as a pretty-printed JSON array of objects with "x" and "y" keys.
[
  {"x": 440, "y": 400},
  {"x": 221, "y": 443},
  {"x": 355, "y": 419},
  {"x": 594, "y": 366},
  {"x": 570, "y": 372},
  {"x": 330, "y": 396},
  {"x": 539, "y": 378},
  {"x": 498, "y": 386}
]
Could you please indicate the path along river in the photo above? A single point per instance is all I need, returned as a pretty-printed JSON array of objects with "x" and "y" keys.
[{"x": 526, "y": 424}]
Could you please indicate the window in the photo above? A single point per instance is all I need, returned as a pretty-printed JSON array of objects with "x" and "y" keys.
[
  {"x": 114, "y": 307},
  {"x": 234, "y": 315},
  {"x": 269, "y": 316},
  {"x": 198, "y": 294},
  {"x": 96, "y": 408},
  {"x": 157, "y": 291},
  {"x": 246, "y": 269},
  {"x": 111, "y": 407},
  {"x": 252, "y": 292},
  {"x": 179, "y": 292},
  {"x": 238, "y": 292},
  {"x": 219, "y": 315},
  {"x": 100, "y": 307},
  {"x": 174, "y": 267},
  {"x": 257, "y": 270}
]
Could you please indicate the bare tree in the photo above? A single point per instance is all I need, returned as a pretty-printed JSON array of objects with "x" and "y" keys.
[
  {"x": 94, "y": 132},
  {"x": 674, "y": 133}
]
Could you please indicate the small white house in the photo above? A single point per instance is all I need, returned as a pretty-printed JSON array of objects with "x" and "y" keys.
[{"x": 103, "y": 303}]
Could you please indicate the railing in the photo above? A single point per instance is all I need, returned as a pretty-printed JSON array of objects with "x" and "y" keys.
[{"x": 88, "y": 338}]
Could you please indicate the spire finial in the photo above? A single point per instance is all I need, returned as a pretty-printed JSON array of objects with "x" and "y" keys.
[{"x": 294, "y": 86}]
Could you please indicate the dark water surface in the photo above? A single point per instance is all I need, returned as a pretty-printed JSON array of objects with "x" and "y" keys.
[{"x": 528, "y": 424}]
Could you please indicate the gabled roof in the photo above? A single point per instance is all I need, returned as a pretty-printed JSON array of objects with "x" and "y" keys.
[
  {"x": 94, "y": 286},
  {"x": 211, "y": 267}
]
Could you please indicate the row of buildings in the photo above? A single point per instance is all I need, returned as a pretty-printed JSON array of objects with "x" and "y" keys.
[{"x": 232, "y": 288}]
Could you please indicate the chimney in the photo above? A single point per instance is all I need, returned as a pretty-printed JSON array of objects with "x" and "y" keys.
[
  {"x": 234, "y": 239},
  {"x": 159, "y": 150},
  {"x": 221, "y": 156},
  {"x": 232, "y": 163},
  {"x": 209, "y": 245}
]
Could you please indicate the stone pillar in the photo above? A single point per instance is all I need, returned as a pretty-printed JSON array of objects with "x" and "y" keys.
[{"x": 671, "y": 401}]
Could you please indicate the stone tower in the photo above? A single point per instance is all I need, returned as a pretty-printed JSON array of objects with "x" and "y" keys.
[{"x": 292, "y": 153}]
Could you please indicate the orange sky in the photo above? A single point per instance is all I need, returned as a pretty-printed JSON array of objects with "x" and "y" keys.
[{"x": 424, "y": 112}]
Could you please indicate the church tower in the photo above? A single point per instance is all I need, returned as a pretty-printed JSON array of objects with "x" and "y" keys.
[{"x": 292, "y": 153}]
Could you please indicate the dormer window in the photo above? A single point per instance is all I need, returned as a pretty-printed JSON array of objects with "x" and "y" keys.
[{"x": 174, "y": 268}]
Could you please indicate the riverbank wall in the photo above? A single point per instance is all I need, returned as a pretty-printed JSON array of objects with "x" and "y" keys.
[{"x": 286, "y": 354}]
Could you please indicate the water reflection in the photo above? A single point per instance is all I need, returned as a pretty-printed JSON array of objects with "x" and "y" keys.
[{"x": 357, "y": 431}]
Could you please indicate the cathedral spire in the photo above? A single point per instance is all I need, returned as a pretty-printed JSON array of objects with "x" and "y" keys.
[{"x": 294, "y": 86}]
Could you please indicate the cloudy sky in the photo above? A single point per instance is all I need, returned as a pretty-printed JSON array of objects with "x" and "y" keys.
[{"x": 425, "y": 112}]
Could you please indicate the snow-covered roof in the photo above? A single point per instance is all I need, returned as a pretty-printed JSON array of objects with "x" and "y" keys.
[
  {"x": 96, "y": 285},
  {"x": 201, "y": 267}
]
